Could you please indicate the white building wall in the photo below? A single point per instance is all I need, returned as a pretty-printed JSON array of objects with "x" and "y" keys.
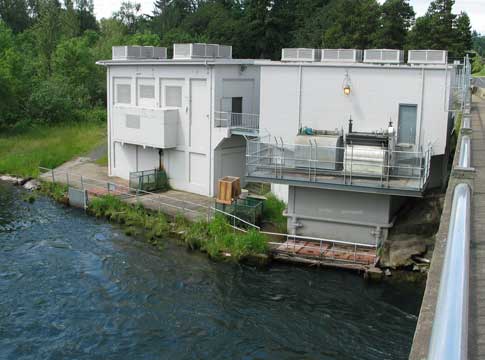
[
  {"x": 190, "y": 163},
  {"x": 294, "y": 96}
]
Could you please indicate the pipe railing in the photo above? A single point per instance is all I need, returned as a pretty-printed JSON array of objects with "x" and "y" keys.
[
  {"x": 243, "y": 121},
  {"x": 449, "y": 335}
]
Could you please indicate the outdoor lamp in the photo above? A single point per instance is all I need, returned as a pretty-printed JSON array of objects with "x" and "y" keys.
[{"x": 346, "y": 84}]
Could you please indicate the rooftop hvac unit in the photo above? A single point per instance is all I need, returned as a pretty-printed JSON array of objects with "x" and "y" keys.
[
  {"x": 201, "y": 51},
  {"x": 300, "y": 54},
  {"x": 139, "y": 52},
  {"x": 384, "y": 56},
  {"x": 342, "y": 55},
  {"x": 428, "y": 57}
]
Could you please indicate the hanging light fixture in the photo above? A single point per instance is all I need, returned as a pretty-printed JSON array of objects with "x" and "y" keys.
[{"x": 346, "y": 84}]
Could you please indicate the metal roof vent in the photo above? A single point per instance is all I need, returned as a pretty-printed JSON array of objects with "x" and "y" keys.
[
  {"x": 138, "y": 52},
  {"x": 384, "y": 56},
  {"x": 201, "y": 51},
  {"x": 300, "y": 54},
  {"x": 342, "y": 55},
  {"x": 428, "y": 57}
]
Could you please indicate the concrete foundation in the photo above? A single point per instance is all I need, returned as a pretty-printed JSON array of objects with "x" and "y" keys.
[{"x": 341, "y": 215}]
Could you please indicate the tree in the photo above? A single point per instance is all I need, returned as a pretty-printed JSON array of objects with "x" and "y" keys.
[
  {"x": 351, "y": 24},
  {"x": 86, "y": 18},
  {"x": 15, "y": 14},
  {"x": 47, "y": 32},
  {"x": 397, "y": 17},
  {"x": 478, "y": 43},
  {"x": 129, "y": 15},
  {"x": 462, "y": 36}
]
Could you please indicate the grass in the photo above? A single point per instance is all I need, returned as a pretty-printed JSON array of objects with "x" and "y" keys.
[
  {"x": 218, "y": 239},
  {"x": 103, "y": 161},
  {"x": 215, "y": 238},
  {"x": 481, "y": 73},
  {"x": 273, "y": 212},
  {"x": 21, "y": 153}
]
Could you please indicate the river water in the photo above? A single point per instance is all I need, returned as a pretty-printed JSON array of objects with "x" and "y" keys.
[{"x": 73, "y": 287}]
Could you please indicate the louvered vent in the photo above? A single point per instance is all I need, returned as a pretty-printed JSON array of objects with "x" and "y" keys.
[
  {"x": 383, "y": 56},
  {"x": 139, "y": 52},
  {"x": 300, "y": 54},
  {"x": 427, "y": 57},
  {"x": 201, "y": 51},
  {"x": 341, "y": 55}
]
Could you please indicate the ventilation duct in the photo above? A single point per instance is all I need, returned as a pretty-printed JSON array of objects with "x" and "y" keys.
[
  {"x": 384, "y": 56},
  {"x": 428, "y": 57},
  {"x": 300, "y": 54},
  {"x": 342, "y": 55},
  {"x": 201, "y": 51},
  {"x": 139, "y": 52}
]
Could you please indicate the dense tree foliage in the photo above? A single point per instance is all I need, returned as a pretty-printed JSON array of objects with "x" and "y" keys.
[{"x": 48, "y": 48}]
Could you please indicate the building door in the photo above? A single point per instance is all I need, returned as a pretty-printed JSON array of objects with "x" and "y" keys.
[
  {"x": 406, "y": 132},
  {"x": 236, "y": 111}
]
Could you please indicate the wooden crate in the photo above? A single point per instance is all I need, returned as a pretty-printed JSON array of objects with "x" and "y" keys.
[{"x": 229, "y": 188}]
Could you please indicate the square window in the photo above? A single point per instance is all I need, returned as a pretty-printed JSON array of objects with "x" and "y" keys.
[
  {"x": 123, "y": 94},
  {"x": 173, "y": 96},
  {"x": 147, "y": 91}
]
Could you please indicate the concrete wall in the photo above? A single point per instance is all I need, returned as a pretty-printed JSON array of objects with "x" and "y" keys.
[
  {"x": 190, "y": 164},
  {"x": 294, "y": 96},
  {"x": 340, "y": 215}
]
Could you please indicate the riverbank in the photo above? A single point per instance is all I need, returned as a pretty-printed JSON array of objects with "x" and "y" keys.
[{"x": 22, "y": 152}]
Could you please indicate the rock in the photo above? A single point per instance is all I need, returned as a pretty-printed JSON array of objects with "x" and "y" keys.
[
  {"x": 399, "y": 253},
  {"x": 387, "y": 272},
  {"x": 31, "y": 185},
  {"x": 11, "y": 179}
]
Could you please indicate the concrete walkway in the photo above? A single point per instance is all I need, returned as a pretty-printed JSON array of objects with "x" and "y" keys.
[
  {"x": 476, "y": 346},
  {"x": 84, "y": 173}
]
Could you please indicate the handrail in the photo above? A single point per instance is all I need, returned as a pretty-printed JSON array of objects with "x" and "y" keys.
[
  {"x": 464, "y": 161},
  {"x": 449, "y": 336},
  {"x": 157, "y": 199}
]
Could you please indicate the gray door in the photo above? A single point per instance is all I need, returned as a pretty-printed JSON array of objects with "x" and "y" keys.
[{"x": 406, "y": 132}]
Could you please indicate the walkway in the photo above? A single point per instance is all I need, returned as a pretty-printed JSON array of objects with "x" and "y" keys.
[
  {"x": 476, "y": 346},
  {"x": 84, "y": 173}
]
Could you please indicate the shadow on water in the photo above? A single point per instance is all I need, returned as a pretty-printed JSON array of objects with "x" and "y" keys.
[{"x": 76, "y": 287}]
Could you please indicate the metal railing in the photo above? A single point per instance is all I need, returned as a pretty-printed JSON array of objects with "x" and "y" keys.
[
  {"x": 449, "y": 335},
  {"x": 328, "y": 249},
  {"x": 349, "y": 165},
  {"x": 240, "y": 121},
  {"x": 159, "y": 201},
  {"x": 465, "y": 159}
]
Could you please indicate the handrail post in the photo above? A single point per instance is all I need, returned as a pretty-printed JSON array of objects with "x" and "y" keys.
[{"x": 52, "y": 173}]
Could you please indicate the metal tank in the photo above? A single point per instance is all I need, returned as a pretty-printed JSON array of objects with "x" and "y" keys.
[{"x": 323, "y": 150}]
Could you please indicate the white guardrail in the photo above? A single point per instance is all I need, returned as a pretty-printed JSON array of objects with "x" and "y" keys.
[{"x": 449, "y": 335}]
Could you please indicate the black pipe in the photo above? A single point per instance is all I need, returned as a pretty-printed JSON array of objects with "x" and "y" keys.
[{"x": 350, "y": 125}]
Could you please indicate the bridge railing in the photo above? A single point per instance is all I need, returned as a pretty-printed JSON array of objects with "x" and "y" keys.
[{"x": 449, "y": 334}]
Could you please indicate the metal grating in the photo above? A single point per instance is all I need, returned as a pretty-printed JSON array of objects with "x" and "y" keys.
[
  {"x": 200, "y": 50},
  {"x": 300, "y": 54},
  {"x": 428, "y": 57},
  {"x": 341, "y": 55},
  {"x": 132, "y": 121},
  {"x": 383, "y": 56},
  {"x": 138, "y": 52},
  {"x": 147, "y": 91}
]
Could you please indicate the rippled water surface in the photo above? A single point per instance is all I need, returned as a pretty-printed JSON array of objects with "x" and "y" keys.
[{"x": 73, "y": 287}]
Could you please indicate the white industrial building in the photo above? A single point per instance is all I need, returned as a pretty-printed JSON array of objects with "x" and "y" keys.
[
  {"x": 175, "y": 112},
  {"x": 344, "y": 136}
]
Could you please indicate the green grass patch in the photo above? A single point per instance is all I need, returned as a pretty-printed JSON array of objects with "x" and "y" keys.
[
  {"x": 136, "y": 220},
  {"x": 103, "y": 161},
  {"x": 22, "y": 152},
  {"x": 273, "y": 212},
  {"x": 217, "y": 238},
  {"x": 480, "y": 73},
  {"x": 55, "y": 190}
]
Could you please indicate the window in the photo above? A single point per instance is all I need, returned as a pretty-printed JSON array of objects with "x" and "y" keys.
[
  {"x": 123, "y": 94},
  {"x": 147, "y": 91},
  {"x": 406, "y": 132},
  {"x": 173, "y": 96}
]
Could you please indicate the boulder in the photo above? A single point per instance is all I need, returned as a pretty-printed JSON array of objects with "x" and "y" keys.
[{"x": 399, "y": 253}]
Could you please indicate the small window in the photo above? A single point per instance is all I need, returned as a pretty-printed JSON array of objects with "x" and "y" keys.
[
  {"x": 147, "y": 91},
  {"x": 133, "y": 121},
  {"x": 173, "y": 96},
  {"x": 123, "y": 94},
  {"x": 406, "y": 132}
]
